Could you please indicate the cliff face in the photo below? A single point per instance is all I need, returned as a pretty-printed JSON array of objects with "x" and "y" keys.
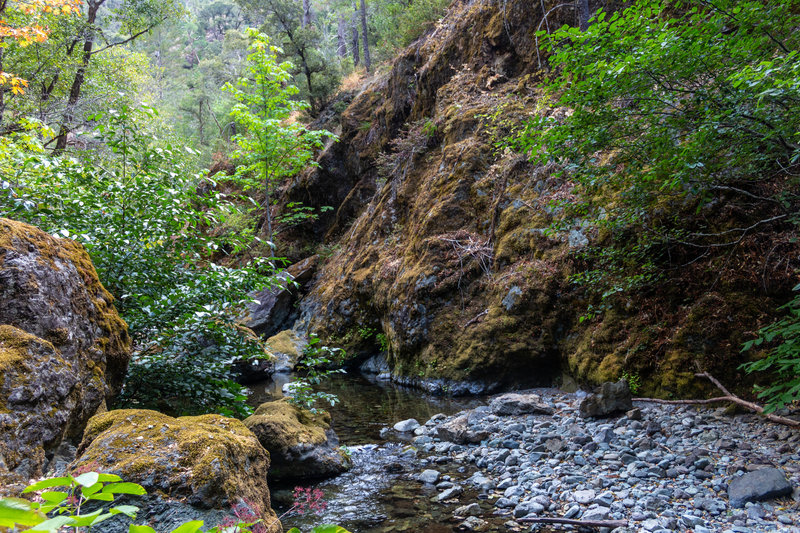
[{"x": 438, "y": 249}]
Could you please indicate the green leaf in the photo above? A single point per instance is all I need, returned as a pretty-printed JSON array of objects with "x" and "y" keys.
[
  {"x": 101, "y": 496},
  {"x": 127, "y": 510},
  {"x": 188, "y": 527},
  {"x": 329, "y": 528},
  {"x": 16, "y": 511},
  {"x": 54, "y": 524},
  {"x": 88, "y": 479},
  {"x": 54, "y": 496},
  {"x": 48, "y": 483},
  {"x": 125, "y": 488}
]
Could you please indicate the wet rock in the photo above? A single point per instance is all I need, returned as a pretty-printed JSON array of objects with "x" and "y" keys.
[
  {"x": 472, "y": 509},
  {"x": 519, "y": 404},
  {"x": 611, "y": 399},
  {"x": 473, "y": 523},
  {"x": 448, "y": 494},
  {"x": 405, "y": 426},
  {"x": 64, "y": 349},
  {"x": 459, "y": 431},
  {"x": 429, "y": 476},
  {"x": 302, "y": 445},
  {"x": 756, "y": 486},
  {"x": 207, "y": 462}
]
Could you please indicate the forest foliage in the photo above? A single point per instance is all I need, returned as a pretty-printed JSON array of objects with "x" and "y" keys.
[{"x": 675, "y": 107}]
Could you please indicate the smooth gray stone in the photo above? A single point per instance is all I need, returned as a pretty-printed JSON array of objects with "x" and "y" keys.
[{"x": 756, "y": 486}]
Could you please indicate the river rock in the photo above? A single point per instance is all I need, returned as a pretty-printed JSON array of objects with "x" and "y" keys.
[
  {"x": 459, "y": 430},
  {"x": 207, "y": 462},
  {"x": 429, "y": 476},
  {"x": 64, "y": 349},
  {"x": 762, "y": 484},
  {"x": 519, "y": 404},
  {"x": 611, "y": 399},
  {"x": 405, "y": 426},
  {"x": 302, "y": 445}
]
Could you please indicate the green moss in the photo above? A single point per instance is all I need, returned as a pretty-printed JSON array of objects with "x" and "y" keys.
[{"x": 281, "y": 425}]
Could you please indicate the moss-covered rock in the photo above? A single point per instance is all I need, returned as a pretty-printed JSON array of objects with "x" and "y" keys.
[
  {"x": 286, "y": 348},
  {"x": 302, "y": 445},
  {"x": 64, "y": 349},
  {"x": 209, "y": 461}
]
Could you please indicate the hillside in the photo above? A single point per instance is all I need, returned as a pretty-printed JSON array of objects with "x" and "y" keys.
[{"x": 442, "y": 238}]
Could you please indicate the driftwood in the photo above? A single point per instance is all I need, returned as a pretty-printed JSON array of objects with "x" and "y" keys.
[
  {"x": 573, "y": 522},
  {"x": 729, "y": 397}
]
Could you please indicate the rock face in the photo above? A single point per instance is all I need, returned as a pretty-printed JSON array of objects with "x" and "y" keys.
[
  {"x": 613, "y": 398},
  {"x": 64, "y": 349},
  {"x": 302, "y": 445},
  {"x": 760, "y": 485},
  {"x": 208, "y": 462}
]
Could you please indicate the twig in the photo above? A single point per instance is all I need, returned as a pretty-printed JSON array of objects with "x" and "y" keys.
[
  {"x": 572, "y": 522},
  {"x": 476, "y": 318},
  {"x": 729, "y": 397}
]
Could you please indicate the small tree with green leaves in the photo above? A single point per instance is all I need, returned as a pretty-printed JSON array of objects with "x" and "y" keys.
[{"x": 273, "y": 145}]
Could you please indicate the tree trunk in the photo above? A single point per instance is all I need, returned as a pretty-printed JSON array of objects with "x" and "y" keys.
[
  {"x": 306, "y": 14},
  {"x": 80, "y": 74},
  {"x": 356, "y": 58},
  {"x": 583, "y": 14},
  {"x": 341, "y": 37},
  {"x": 367, "y": 62}
]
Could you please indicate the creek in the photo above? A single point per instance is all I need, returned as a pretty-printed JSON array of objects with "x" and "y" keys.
[{"x": 380, "y": 494}]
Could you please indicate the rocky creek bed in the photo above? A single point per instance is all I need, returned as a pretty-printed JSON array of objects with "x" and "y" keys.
[{"x": 488, "y": 468}]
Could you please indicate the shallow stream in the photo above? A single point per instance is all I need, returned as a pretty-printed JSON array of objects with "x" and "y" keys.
[{"x": 380, "y": 493}]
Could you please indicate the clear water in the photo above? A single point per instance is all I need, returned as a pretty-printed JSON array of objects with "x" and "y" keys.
[{"x": 380, "y": 493}]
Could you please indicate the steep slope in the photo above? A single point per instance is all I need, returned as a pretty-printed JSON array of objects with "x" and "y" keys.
[{"x": 439, "y": 243}]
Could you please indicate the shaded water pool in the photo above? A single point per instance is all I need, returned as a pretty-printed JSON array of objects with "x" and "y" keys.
[{"x": 380, "y": 493}]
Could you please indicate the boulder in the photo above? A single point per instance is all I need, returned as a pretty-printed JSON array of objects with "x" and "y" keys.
[
  {"x": 763, "y": 484},
  {"x": 64, "y": 350},
  {"x": 613, "y": 398},
  {"x": 272, "y": 308},
  {"x": 404, "y": 426},
  {"x": 275, "y": 307},
  {"x": 202, "y": 463},
  {"x": 302, "y": 445},
  {"x": 464, "y": 429},
  {"x": 287, "y": 347},
  {"x": 519, "y": 404}
]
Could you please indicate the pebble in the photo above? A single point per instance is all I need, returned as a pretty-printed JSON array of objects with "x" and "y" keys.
[{"x": 661, "y": 467}]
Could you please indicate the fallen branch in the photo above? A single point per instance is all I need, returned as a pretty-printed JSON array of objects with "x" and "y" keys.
[
  {"x": 729, "y": 397},
  {"x": 476, "y": 318},
  {"x": 573, "y": 522}
]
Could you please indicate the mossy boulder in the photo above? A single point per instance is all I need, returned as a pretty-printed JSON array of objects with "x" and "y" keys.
[
  {"x": 286, "y": 347},
  {"x": 64, "y": 349},
  {"x": 302, "y": 445},
  {"x": 208, "y": 461}
]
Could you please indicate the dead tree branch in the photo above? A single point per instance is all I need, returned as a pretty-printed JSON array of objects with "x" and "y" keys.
[
  {"x": 573, "y": 522},
  {"x": 729, "y": 397}
]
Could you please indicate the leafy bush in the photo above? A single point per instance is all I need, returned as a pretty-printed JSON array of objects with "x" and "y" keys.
[
  {"x": 314, "y": 365},
  {"x": 782, "y": 360},
  {"x": 135, "y": 205},
  {"x": 671, "y": 104},
  {"x": 66, "y": 508}
]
